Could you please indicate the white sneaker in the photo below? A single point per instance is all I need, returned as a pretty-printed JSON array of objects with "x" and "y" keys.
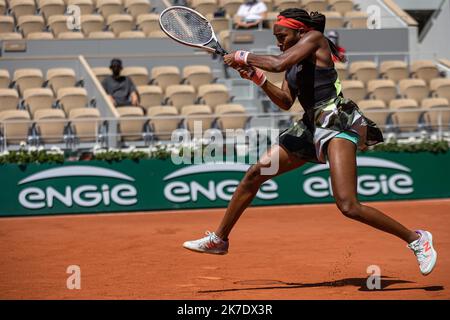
[
  {"x": 209, "y": 244},
  {"x": 424, "y": 251}
]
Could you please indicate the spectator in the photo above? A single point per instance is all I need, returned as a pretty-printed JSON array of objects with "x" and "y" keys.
[
  {"x": 334, "y": 37},
  {"x": 250, "y": 14},
  {"x": 120, "y": 89}
]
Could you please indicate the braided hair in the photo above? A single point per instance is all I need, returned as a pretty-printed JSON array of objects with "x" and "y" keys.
[{"x": 316, "y": 21}]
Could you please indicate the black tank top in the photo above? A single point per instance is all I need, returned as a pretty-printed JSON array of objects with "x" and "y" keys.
[{"x": 313, "y": 85}]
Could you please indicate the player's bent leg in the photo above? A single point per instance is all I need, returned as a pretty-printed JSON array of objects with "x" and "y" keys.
[{"x": 342, "y": 158}]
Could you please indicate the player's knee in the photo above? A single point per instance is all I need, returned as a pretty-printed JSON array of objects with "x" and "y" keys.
[
  {"x": 349, "y": 207},
  {"x": 253, "y": 178}
]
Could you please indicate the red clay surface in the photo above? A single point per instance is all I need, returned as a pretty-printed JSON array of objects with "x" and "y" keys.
[{"x": 290, "y": 252}]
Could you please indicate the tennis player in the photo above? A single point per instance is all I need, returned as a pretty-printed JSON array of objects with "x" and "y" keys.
[{"x": 332, "y": 129}]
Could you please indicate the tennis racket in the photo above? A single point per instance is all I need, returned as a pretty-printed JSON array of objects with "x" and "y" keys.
[{"x": 190, "y": 28}]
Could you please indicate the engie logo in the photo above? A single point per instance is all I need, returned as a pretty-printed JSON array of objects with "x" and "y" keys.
[
  {"x": 368, "y": 184},
  {"x": 86, "y": 195},
  {"x": 179, "y": 191}
]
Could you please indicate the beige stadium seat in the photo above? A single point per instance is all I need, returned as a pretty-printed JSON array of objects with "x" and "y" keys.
[
  {"x": 118, "y": 23},
  {"x": 231, "y": 116},
  {"x": 72, "y": 98},
  {"x": 4, "y": 78},
  {"x": 270, "y": 19},
  {"x": 179, "y": 95},
  {"x": 92, "y": 23},
  {"x": 150, "y": 96},
  {"x": 157, "y": 34},
  {"x": 6, "y": 24},
  {"x": 51, "y": 7},
  {"x": 356, "y": 19},
  {"x": 85, "y": 123},
  {"x": 224, "y": 39},
  {"x": 424, "y": 69},
  {"x": 22, "y": 7},
  {"x": 395, "y": 70},
  {"x": 363, "y": 71},
  {"x": 10, "y": 36},
  {"x": 40, "y": 36},
  {"x": 440, "y": 87},
  {"x": 205, "y": 6},
  {"x": 28, "y": 78},
  {"x": 353, "y": 89},
  {"x": 61, "y": 78},
  {"x": 137, "y": 7},
  {"x": 139, "y": 75},
  {"x": 334, "y": 20},
  {"x": 231, "y": 7},
  {"x": 213, "y": 94},
  {"x": 405, "y": 121},
  {"x": 275, "y": 76},
  {"x": 50, "y": 124},
  {"x": 197, "y": 75},
  {"x": 314, "y": 5},
  {"x": 15, "y": 133},
  {"x": 29, "y": 24},
  {"x": 131, "y": 129},
  {"x": 86, "y": 6},
  {"x": 132, "y": 35},
  {"x": 9, "y": 99},
  {"x": 341, "y": 69},
  {"x": 220, "y": 24},
  {"x": 375, "y": 110},
  {"x": 414, "y": 89},
  {"x": 58, "y": 24},
  {"x": 101, "y": 72},
  {"x": 381, "y": 89},
  {"x": 38, "y": 99},
  {"x": 148, "y": 22},
  {"x": 197, "y": 113},
  {"x": 109, "y": 7},
  {"x": 163, "y": 121},
  {"x": 2, "y": 7},
  {"x": 280, "y": 5},
  {"x": 341, "y": 6},
  {"x": 101, "y": 35},
  {"x": 71, "y": 35},
  {"x": 438, "y": 113},
  {"x": 164, "y": 76}
]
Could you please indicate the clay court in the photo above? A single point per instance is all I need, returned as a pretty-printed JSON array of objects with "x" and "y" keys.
[{"x": 285, "y": 252}]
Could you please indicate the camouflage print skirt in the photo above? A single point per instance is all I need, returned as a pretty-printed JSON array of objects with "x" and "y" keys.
[{"x": 308, "y": 138}]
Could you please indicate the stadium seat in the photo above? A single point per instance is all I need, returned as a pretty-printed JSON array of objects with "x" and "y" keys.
[
  {"x": 37, "y": 99},
  {"x": 28, "y": 24},
  {"x": 70, "y": 98},
  {"x": 375, "y": 110},
  {"x": 405, "y": 121},
  {"x": 197, "y": 113},
  {"x": 341, "y": 69},
  {"x": 224, "y": 39},
  {"x": 382, "y": 90},
  {"x": 61, "y": 78},
  {"x": 58, "y": 24},
  {"x": 164, "y": 76},
  {"x": 10, "y": 36},
  {"x": 156, "y": 34},
  {"x": 148, "y": 22},
  {"x": 179, "y": 95},
  {"x": 101, "y": 72},
  {"x": 86, "y": 6},
  {"x": 92, "y": 23},
  {"x": 197, "y": 75},
  {"x": 163, "y": 121},
  {"x": 9, "y": 99},
  {"x": 71, "y": 35},
  {"x": 139, "y": 75},
  {"x": 40, "y": 36},
  {"x": 231, "y": 116},
  {"x": 314, "y": 5},
  {"x": 280, "y": 5},
  {"x": 413, "y": 89},
  {"x": 220, "y": 23},
  {"x": 341, "y": 6},
  {"x": 131, "y": 129},
  {"x": 440, "y": 87},
  {"x": 395, "y": 70},
  {"x": 231, "y": 7},
  {"x": 205, "y": 6},
  {"x": 353, "y": 89},
  {"x": 356, "y": 19},
  {"x": 437, "y": 115},
  {"x": 85, "y": 123},
  {"x": 132, "y": 35},
  {"x": 150, "y": 96},
  {"x": 14, "y": 133},
  {"x": 109, "y": 7},
  {"x": 6, "y": 24},
  {"x": 334, "y": 20},
  {"x": 213, "y": 94},
  {"x": 270, "y": 19},
  {"x": 28, "y": 78},
  {"x": 101, "y": 35},
  {"x": 22, "y": 7},
  {"x": 424, "y": 69},
  {"x": 363, "y": 71},
  {"x": 137, "y": 7},
  {"x": 50, "y": 131},
  {"x": 4, "y": 78},
  {"x": 50, "y": 8},
  {"x": 275, "y": 76},
  {"x": 118, "y": 23}
]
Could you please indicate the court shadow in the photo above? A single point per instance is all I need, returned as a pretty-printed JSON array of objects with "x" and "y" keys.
[{"x": 360, "y": 283}]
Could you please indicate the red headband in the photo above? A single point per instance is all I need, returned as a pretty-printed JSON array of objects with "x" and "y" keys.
[{"x": 291, "y": 23}]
